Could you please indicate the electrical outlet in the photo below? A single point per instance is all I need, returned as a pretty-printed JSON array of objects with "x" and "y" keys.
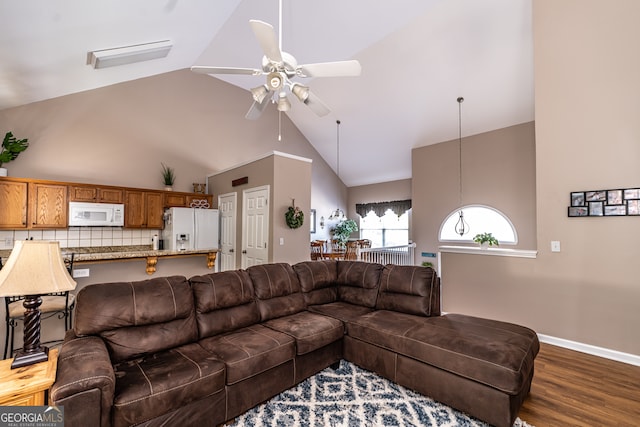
[
  {"x": 8, "y": 241},
  {"x": 81, "y": 272},
  {"x": 555, "y": 246}
]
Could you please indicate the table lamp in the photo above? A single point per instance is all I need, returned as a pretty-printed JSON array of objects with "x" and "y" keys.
[{"x": 34, "y": 268}]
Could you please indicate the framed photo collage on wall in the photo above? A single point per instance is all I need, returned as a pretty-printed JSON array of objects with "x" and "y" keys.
[{"x": 620, "y": 202}]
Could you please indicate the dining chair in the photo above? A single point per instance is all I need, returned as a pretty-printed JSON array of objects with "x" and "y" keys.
[
  {"x": 351, "y": 254},
  {"x": 317, "y": 251}
]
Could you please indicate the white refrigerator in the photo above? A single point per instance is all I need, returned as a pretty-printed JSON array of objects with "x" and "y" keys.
[{"x": 188, "y": 228}]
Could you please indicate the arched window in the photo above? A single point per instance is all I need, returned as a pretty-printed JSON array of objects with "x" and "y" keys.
[{"x": 481, "y": 219}]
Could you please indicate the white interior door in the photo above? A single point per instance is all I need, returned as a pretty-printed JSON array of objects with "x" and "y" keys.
[
  {"x": 255, "y": 226},
  {"x": 227, "y": 208}
]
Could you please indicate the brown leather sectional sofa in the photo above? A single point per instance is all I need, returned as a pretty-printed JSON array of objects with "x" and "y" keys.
[{"x": 172, "y": 351}]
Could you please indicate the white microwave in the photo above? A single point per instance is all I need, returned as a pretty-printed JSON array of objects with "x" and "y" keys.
[{"x": 96, "y": 214}]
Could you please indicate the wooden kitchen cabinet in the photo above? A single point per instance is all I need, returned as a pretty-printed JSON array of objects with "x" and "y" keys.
[
  {"x": 143, "y": 209},
  {"x": 187, "y": 200},
  {"x": 175, "y": 200},
  {"x": 95, "y": 194},
  {"x": 13, "y": 200},
  {"x": 27, "y": 203},
  {"x": 48, "y": 205}
]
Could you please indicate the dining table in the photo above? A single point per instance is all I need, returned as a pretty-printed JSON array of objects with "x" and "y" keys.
[{"x": 334, "y": 254}]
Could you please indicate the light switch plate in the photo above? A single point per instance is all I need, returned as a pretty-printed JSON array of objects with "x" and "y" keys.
[{"x": 81, "y": 272}]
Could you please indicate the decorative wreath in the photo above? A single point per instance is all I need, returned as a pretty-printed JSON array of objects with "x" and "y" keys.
[{"x": 294, "y": 216}]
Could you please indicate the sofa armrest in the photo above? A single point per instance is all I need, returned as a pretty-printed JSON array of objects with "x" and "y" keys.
[{"x": 85, "y": 382}]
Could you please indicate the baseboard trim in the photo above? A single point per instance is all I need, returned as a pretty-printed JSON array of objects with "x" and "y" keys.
[{"x": 619, "y": 356}]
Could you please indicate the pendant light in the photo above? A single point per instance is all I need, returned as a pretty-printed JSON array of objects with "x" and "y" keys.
[
  {"x": 462, "y": 227},
  {"x": 338, "y": 214}
]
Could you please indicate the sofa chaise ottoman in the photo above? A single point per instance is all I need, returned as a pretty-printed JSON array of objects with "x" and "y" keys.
[{"x": 172, "y": 351}]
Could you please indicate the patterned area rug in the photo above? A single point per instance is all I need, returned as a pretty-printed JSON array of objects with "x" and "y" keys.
[{"x": 353, "y": 397}]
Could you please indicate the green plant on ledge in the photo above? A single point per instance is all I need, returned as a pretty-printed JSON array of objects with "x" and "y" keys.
[
  {"x": 168, "y": 175},
  {"x": 11, "y": 148},
  {"x": 486, "y": 238}
]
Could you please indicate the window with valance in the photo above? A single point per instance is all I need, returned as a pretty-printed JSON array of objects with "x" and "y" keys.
[
  {"x": 398, "y": 207},
  {"x": 386, "y": 224}
]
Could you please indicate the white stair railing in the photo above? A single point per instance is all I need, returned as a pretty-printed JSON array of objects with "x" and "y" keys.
[{"x": 398, "y": 255}]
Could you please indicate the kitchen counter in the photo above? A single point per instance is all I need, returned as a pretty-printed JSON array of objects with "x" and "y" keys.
[{"x": 123, "y": 253}]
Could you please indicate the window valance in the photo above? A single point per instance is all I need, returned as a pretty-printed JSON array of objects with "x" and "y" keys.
[{"x": 398, "y": 207}]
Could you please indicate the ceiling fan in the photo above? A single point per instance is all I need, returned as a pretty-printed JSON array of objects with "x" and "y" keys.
[{"x": 280, "y": 68}]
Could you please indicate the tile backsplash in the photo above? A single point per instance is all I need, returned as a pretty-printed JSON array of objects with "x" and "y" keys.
[{"x": 81, "y": 237}]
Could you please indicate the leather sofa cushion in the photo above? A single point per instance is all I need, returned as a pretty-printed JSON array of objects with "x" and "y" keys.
[
  {"x": 318, "y": 281},
  {"x": 497, "y": 354},
  {"x": 358, "y": 282},
  {"x": 278, "y": 290},
  {"x": 141, "y": 317},
  {"x": 250, "y": 351},
  {"x": 340, "y": 310},
  {"x": 409, "y": 289},
  {"x": 164, "y": 381},
  {"x": 224, "y": 302},
  {"x": 310, "y": 330}
]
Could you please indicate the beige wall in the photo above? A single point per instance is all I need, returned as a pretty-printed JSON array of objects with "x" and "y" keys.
[
  {"x": 292, "y": 181},
  {"x": 498, "y": 170},
  {"x": 120, "y": 134},
  {"x": 288, "y": 178},
  {"x": 382, "y": 192},
  {"x": 587, "y": 133}
]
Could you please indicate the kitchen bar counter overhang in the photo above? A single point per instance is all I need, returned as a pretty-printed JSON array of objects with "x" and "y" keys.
[{"x": 88, "y": 255}]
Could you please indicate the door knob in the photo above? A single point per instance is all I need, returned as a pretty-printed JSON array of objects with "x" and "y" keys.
[
  {"x": 244, "y": 251},
  {"x": 231, "y": 250}
]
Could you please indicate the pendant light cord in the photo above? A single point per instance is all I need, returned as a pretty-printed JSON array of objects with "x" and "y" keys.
[
  {"x": 338, "y": 148},
  {"x": 461, "y": 226},
  {"x": 460, "y": 101}
]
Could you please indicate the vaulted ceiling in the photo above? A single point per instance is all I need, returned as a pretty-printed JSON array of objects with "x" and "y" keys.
[{"x": 417, "y": 57}]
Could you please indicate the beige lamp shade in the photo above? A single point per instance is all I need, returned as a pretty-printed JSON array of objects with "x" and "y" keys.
[{"x": 35, "y": 267}]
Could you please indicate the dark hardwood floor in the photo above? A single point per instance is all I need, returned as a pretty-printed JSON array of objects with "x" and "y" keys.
[{"x": 576, "y": 389}]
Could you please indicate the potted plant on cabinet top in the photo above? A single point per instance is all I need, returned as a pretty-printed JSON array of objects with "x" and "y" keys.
[
  {"x": 11, "y": 148},
  {"x": 168, "y": 177},
  {"x": 343, "y": 230},
  {"x": 485, "y": 240}
]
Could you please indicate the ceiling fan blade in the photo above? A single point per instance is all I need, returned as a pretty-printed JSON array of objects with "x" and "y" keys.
[
  {"x": 316, "y": 105},
  {"x": 226, "y": 70},
  {"x": 331, "y": 69},
  {"x": 268, "y": 40},
  {"x": 256, "y": 109}
]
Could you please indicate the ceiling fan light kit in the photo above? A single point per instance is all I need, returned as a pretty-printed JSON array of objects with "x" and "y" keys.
[
  {"x": 283, "y": 102},
  {"x": 128, "y": 54},
  {"x": 259, "y": 93},
  {"x": 279, "y": 68},
  {"x": 301, "y": 92}
]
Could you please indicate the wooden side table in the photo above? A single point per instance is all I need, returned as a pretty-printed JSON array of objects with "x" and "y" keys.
[{"x": 26, "y": 386}]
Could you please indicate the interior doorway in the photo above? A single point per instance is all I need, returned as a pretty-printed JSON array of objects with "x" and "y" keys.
[
  {"x": 255, "y": 226},
  {"x": 227, "y": 204}
]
